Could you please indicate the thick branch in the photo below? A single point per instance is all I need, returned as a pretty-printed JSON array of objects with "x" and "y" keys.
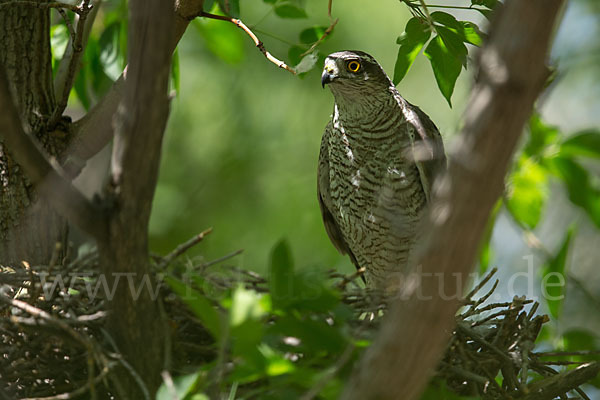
[
  {"x": 48, "y": 179},
  {"x": 95, "y": 129},
  {"x": 416, "y": 331},
  {"x": 140, "y": 122},
  {"x": 37, "y": 4},
  {"x": 70, "y": 62}
]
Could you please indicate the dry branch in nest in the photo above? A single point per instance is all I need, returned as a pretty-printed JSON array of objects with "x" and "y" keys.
[{"x": 52, "y": 342}]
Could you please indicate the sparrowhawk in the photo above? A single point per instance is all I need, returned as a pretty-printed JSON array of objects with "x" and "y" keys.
[{"x": 377, "y": 162}]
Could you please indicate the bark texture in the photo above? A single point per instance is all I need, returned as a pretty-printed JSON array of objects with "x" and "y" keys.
[
  {"x": 512, "y": 73},
  {"x": 134, "y": 318},
  {"x": 29, "y": 225}
]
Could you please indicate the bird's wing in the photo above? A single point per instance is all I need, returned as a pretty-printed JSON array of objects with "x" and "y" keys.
[
  {"x": 325, "y": 203},
  {"x": 427, "y": 145}
]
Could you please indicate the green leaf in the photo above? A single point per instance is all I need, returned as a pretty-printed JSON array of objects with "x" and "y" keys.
[
  {"x": 246, "y": 305},
  {"x": 307, "y": 63},
  {"x": 207, "y": 6},
  {"x": 445, "y": 19},
  {"x": 541, "y": 136},
  {"x": 577, "y": 181},
  {"x": 281, "y": 274},
  {"x": 230, "y": 7},
  {"x": 295, "y": 54},
  {"x": 491, "y": 4},
  {"x": 528, "y": 191},
  {"x": 446, "y": 67},
  {"x": 586, "y": 144},
  {"x": 204, "y": 310},
  {"x": 289, "y": 10},
  {"x": 311, "y": 294},
  {"x": 184, "y": 386},
  {"x": 59, "y": 39},
  {"x": 471, "y": 33},
  {"x": 111, "y": 52},
  {"x": 454, "y": 43},
  {"x": 175, "y": 73},
  {"x": 311, "y": 35},
  {"x": 554, "y": 281},
  {"x": 276, "y": 363},
  {"x": 314, "y": 335},
  {"x": 415, "y": 35},
  {"x": 466, "y": 31}
]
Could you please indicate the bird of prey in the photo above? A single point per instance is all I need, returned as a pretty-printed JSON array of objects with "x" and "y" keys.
[{"x": 378, "y": 158}]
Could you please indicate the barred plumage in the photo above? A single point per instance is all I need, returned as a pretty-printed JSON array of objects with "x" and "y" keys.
[{"x": 378, "y": 158}]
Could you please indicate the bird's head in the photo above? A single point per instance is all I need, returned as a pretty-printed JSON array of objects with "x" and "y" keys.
[{"x": 353, "y": 72}]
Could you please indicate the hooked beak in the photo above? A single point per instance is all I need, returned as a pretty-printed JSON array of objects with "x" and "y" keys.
[
  {"x": 330, "y": 72},
  {"x": 326, "y": 77}
]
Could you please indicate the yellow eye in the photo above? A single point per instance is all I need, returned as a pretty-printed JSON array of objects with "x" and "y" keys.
[{"x": 353, "y": 66}]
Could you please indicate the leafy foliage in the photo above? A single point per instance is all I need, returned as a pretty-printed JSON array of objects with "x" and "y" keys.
[{"x": 446, "y": 51}]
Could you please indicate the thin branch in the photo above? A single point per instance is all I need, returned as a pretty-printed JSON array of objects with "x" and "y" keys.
[
  {"x": 221, "y": 259},
  {"x": 257, "y": 42},
  {"x": 182, "y": 248},
  {"x": 325, "y": 34},
  {"x": 52, "y": 4},
  {"x": 70, "y": 28},
  {"x": 351, "y": 278},
  {"x": 454, "y": 7},
  {"x": 77, "y": 46},
  {"x": 62, "y": 72},
  {"x": 79, "y": 391},
  {"x": 427, "y": 15},
  {"x": 46, "y": 174},
  {"x": 39, "y": 314}
]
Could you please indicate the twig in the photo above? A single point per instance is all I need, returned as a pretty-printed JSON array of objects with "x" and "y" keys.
[
  {"x": 44, "y": 316},
  {"x": 77, "y": 45},
  {"x": 350, "y": 278},
  {"x": 427, "y": 15},
  {"x": 221, "y": 259},
  {"x": 318, "y": 42},
  {"x": 567, "y": 353},
  {"x": 454, "y": 7},
  {"x": 119, "y": 358},
  {"x": 70, "y": 28},
  {"x": 182, "y": 248},
  {"x": 482, "y": 283},
  {"x": 79, "y": 391},
  {"x": 257, "y": 42},
  {"x": 52, "y": 4}
]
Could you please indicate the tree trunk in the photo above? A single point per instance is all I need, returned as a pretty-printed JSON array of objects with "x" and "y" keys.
[
  {"x": 135, "y": 322},
  {"x": 417, "y": 328},
  {"x": 29, "y": 226}
]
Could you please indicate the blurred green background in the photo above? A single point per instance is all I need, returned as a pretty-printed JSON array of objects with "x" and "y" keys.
[{"x": 243, "y": 138}]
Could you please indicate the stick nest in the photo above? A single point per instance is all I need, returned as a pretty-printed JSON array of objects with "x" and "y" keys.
[{"x": 55, "y": 346}]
